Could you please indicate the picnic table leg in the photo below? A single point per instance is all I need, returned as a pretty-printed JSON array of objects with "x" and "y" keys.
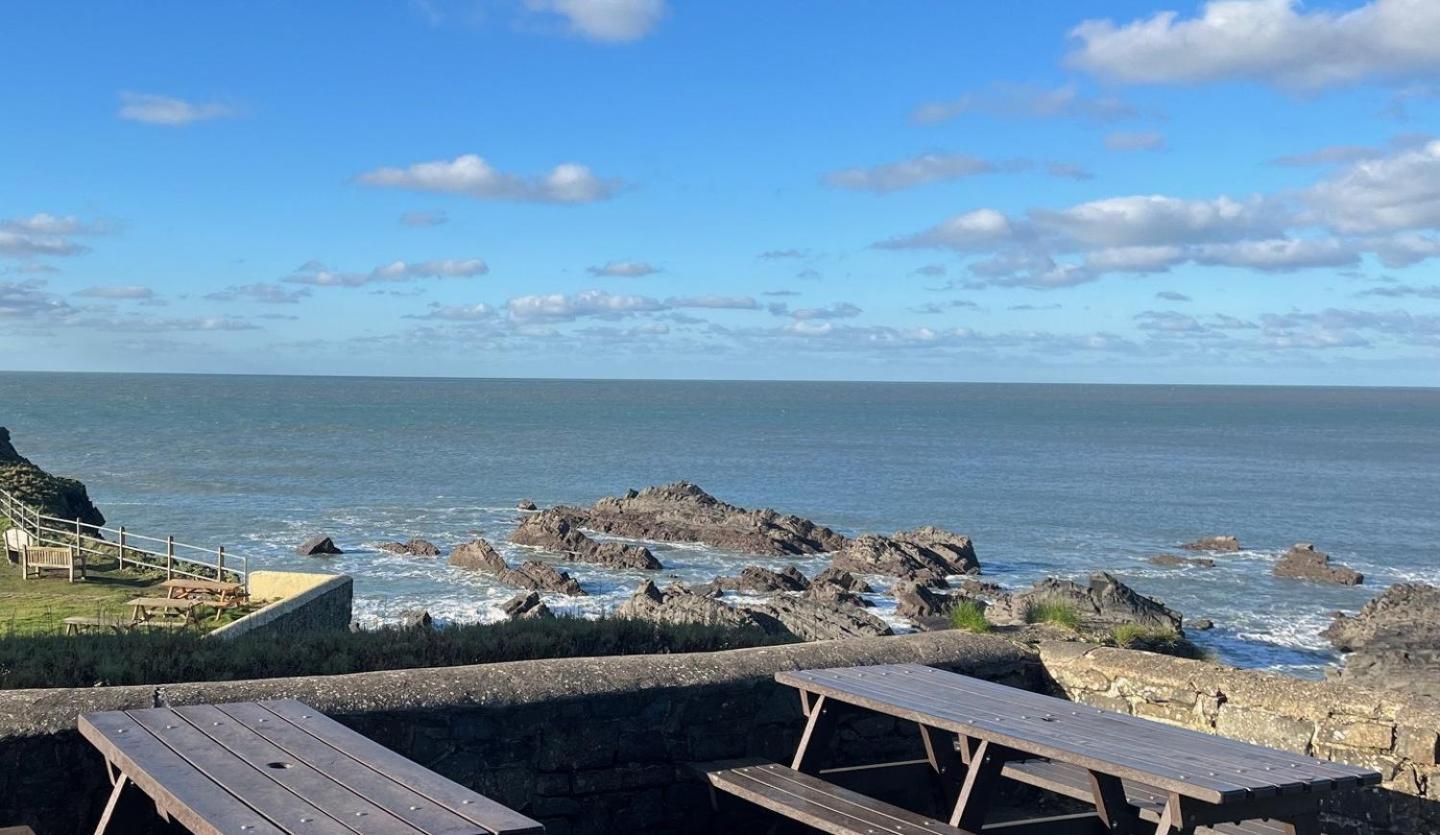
[
  {"x": 1172, "y": 821},
  {"x": 1308, "y": 824},
  {"x": 1111, "y": 804},
  {"x": 121, "y": 783},
  {"x": 978, "y": 790},
  {"x": 945, "y": 761},
  {"x": 818, "y": 730}
]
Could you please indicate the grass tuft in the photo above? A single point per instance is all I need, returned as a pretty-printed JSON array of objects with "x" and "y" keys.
[
  {"x": 969, "y": 615},
  {"x": 1152, "y": 639},
  {"x": 1053, "y": 612}
]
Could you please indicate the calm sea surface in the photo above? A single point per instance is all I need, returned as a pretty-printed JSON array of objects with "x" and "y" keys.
[{"x": 1046, "y": 479}]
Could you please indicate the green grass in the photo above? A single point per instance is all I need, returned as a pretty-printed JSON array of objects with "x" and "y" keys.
[
  {"x": 1053, "y": 612},
  {"x": 1151, "y": 639},
  {"x": 969, "y": 615},
  {"x": 158, "y": 658}
]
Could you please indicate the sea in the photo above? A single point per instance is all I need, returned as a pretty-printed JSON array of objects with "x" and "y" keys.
[{"x": 1048, "y": 480}]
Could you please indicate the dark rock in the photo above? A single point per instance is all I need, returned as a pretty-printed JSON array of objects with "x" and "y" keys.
[
  {"x": 538, "y": 576},
  {"x": 526, "y": 606},
  {"x": 525, "y": 504},
  {"x": 558, "y": 529},
  {"x": 678, "y": 605},
  {"x": 812, "y": 620},
  {"x": 1213, "y": 543},
  {"x": 1104, "y": 602},
  {"x": 682, "y": 512},
  {"x": 1393, "y": 642},
  {"x": 1177, "y": 560},
  {"x": 841, "y": 578},
  {"x": 478, "y": 555},
  {"x": 834, "y": 595},
  {"x": 63, "y": 498},
  {"x": 1303, "y": 562},
  {"x": 413, "y": 548},
  {"x": 926, "y": 554},
  {"x": 416, "y": 619},
  {"x": 757, "y": 580},
  {"x": 317, "y": 546},
  {"x": 1202, "y": 624},
  {"x": 917, "y": 601},
  {"x": 970, "y": 585}
]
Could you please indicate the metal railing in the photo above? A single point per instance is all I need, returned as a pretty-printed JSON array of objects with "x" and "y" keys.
[{"x": 176, "y": 559}]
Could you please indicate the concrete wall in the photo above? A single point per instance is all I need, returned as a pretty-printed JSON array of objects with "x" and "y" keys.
[
  {"x": 587, "y": 745},
  {"x": 1397, "y": 735},
  {"x": 298, "y": 602}
]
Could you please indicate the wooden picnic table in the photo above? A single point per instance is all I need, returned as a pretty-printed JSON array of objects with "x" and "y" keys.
[
  {"x": 275, "y": 767},
  {"x": 1139, "y": 775},
  {"x": 146, "y": 608},
  {"x": 214, "y": 593}
]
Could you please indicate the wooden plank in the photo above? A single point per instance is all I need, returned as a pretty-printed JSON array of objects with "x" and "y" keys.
[
  {"x": 328, "y": 793},
  {"x": 822, "y": 805},
  {"x": 815, "y": 742},
  {"x": 176, "y": 787},
  {"x": 292, "y": 742},
  {"x": 482, "y": 810}
]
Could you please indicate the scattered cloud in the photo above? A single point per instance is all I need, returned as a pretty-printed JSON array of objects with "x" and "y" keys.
[
  {"x": 1395, "y": 192},
  {"x": 1149, "y": 140},
  {"x": 1172, "y": 296},
  {"x": 132, "y": 292},
  {"x": 780, "y": 293},
  {"x": 471, "y": 175},
  {"x": 264, "y": 293},
  {"x": 931, "y": 270},
  {"x": 44, "y": 234},
  {"x": 945, "y": 307},
  {"x": 1068, "y": 171},
  {"x": 1271, "y": 41},
  {"x": 623, "y": 269},
  {"x": 154, "y": 109},
  {"x": 417, "y": 220},
  {"x": 1402, "y": 291},
  {"x": 1028, "y": 101},
  {"x": 909, "y": 173},
  {"x": 317, "y": 274},
  {"x": 610, "y": 21},
  {"x": 559, "y": 307},
  {"x": 777, "y": 254}
]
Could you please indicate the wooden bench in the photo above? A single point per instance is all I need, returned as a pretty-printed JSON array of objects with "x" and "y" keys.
[
  {"x": 39, "y": 559},
  {"x": 16, "y": 830},
  {"x": 146, "y": 608},
  {"x": 76, "y": 624},
  {"x": 15, "y": 540},
  {"x": 819, "y": 804}
]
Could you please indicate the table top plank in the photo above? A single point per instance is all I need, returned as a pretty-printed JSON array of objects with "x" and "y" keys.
[
  {"x": 449, "y": 794},
  {"x": 255, "y": 753},
  {"x": 412, "y": 807},
  {"x": 203, "y": 585},
  {"x": 1187, "y": 762},
  {"x": 185, "y": 794},
  {"x": 164, "y": 603}
]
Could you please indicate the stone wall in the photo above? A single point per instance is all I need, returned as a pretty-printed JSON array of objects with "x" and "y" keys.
[
  {"x": 1397, "y": 735},
  {"x": 587, "y": 745},
  {"x": 299, "y": 602}
]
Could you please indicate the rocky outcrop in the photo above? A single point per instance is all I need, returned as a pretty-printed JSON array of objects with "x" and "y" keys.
[
  {"x": 925, "y": 554},
  {"x": 811, "y": 620},
  {"x": 1303, "y": 562},
  {"x": 1213, "y": 543},
  {"x": 538, "y": 576},
  {"x": 834, "y": 586},
  {"x": 557, "y": 529},
  {"x": 525, "y": 504},
  {"x": 62, "y": 498},
  {"x": 754, "y": 579},
  {"x": 919, "y": 602},
  {"x": 1393, "y": 642},
  {"x": 478, "y": 555},
  {"x": 413, "y": 548},
  {"x": 1175, "y": 560},
  {"x": 318, "y": 546},
  {"x": 1103, "y": 603},
  {"x": 416, "y": 620},
  {"x": 682, "y": 512},
  {"x": 679, "y": 605},
  {"x": 526, "y": 606}
]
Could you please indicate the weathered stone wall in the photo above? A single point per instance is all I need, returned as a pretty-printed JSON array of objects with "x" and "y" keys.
[
  {"x": 300, "y": 603},
  {"x": 1397, "y": 735},
  {"x": 587, "y": 745}
]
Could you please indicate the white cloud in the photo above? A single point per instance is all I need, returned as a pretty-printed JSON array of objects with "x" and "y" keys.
[
  {"x": 1068, "y": 171},
  {"x": 615, "y": 21},
  {"x": 1279, "y": 254},
  {"x": 471, "y": 175},
  {"x": 1273, "y": 41},
  {"x": 1396, "y": 192},
  {"x": 264, "y": 293},
  {"x": 1154, "y": 219},
  {"x": 560, "y": 307},
  {"x": 1027, "y": 101},
  {"x": 1172, "y": 296},
  {"x": 916, "y": 171},
  {"x": 978, "y": 229},
  {"x": 133, "y": 292},
  {"x": 166, "y": 110},
  {"x": 624, "y": 269},
  {"x": 316, "y": 274},
  {"x": 840, "y": 310},
  {"x": 461, "y": 313},
  {"x": 44, "y": 234},
  {"x": 416, "y": 220},
  {"x": 714, "y": 302},
  {"x": 1149, "y": 140},
  {"x": 778, "y": 254}
]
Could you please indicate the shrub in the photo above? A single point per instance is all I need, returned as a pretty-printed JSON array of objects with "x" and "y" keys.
[
  {"x": 1053, "y": 611},
  {"x": 969, "y": 615},
  {"x": 1151, "y": 639}
]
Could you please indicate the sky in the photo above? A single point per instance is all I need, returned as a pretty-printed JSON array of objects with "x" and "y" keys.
[{"x": 1239, "y": 191}]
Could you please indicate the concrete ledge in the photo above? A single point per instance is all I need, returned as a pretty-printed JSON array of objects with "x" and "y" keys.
[{"x": 309, "y": 601}]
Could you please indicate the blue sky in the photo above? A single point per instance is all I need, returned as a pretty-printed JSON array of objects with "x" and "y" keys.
[{"x": 1236, "y": 192}]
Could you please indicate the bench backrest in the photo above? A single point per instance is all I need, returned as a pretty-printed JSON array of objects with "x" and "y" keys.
[
  {"x": 17, "y": 538},
  {"x": 49, "y": 556}
]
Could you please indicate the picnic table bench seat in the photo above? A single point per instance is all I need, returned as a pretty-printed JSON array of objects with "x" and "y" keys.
[{"x": 79, "y": 623}]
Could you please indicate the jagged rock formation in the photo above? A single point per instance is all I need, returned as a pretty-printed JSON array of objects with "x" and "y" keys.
[
  {"x": 533, "y": 575},
  {"x": 1213, "y": 543},
  {"x": 318, "y": 546},
  {"x": 1104, "y": 602},
  {"x": 525, "y": 504},
  {"x": 754, "y": 579},
  {"x": 1303, "y": 562},
  {"x": 416, "y": 620},
  {"x": 834, "y": 587},
  {"x": 1393, "y": 642},
  {"x": 919, "y": 602},
  {"x": 557, "y": 529},
  {"x": 478, "y": 555},
  {"x": 926, "y": 554},
  {"x": 526, "y": 606},
  {"x": 682, "y": 512},
  {"x": 413, "y": 548},
  {"x": 677, "y": 604},
  {"x": 1177, "y": 560},
  {"x": 811, "y": 620},
  {"x": 63, "y": 498}
]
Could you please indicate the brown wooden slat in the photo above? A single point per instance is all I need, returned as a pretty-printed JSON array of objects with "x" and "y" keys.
[
  {"x": 447, "y": 793},
  {"x": 176, "y": 787},
  {"x": 822, "y": 805},
  {"x": 297, "y": 745},
  {"x": 290, "y": 774}
]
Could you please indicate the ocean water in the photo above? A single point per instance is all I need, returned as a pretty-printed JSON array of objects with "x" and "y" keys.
[{"x": 1047, "y": 479}]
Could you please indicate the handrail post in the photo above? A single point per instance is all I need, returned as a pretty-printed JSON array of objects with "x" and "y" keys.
[
  {"x": 79, "y": 544},
  {"x": 169, "y": 557},
  {"x": 220, "y": 565},
  {"x": 122, "y": 547}
]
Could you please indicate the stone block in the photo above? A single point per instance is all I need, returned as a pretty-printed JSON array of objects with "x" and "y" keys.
[
  {"x": 1262, "y": 728},
  {"x": 1357, "y": 734},
  {"x": 1418, "y": 745}
]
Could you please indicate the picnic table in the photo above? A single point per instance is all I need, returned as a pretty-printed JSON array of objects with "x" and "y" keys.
[
  {"x": 1138, "y": 775},
  {"x": 215, "y": 593},
  {"x": 146, "y": 609},
  {"x": 276, "y": 767}
]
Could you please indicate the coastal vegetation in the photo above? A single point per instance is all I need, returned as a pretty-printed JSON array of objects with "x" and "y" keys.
[
  {"x": 1054, "y": 612},
  {"x": 1151, "y": 639},
  {"x": 28, "y": 661},
  {"x": 969, "y": 615}
]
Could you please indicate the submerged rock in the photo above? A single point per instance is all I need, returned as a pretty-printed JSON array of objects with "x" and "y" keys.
[
  {"x": 1393, "y": 642},
  {"x": 1303, "y": 562},
  {"x": 62, "y": 498},
  {"x": 1213, "y": 543},
  {"x": 526, "y": 606},
  {"x": 413, "y": 548},
  {"x": 1177, "y": 560},
  {"x": 926, "y": 554},
  {"x": 557, "y": 529},
  {"x": 682, "y": 512},
  {"x": 1104, "y": 603},
  {"x": 318, "y": 546}
]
